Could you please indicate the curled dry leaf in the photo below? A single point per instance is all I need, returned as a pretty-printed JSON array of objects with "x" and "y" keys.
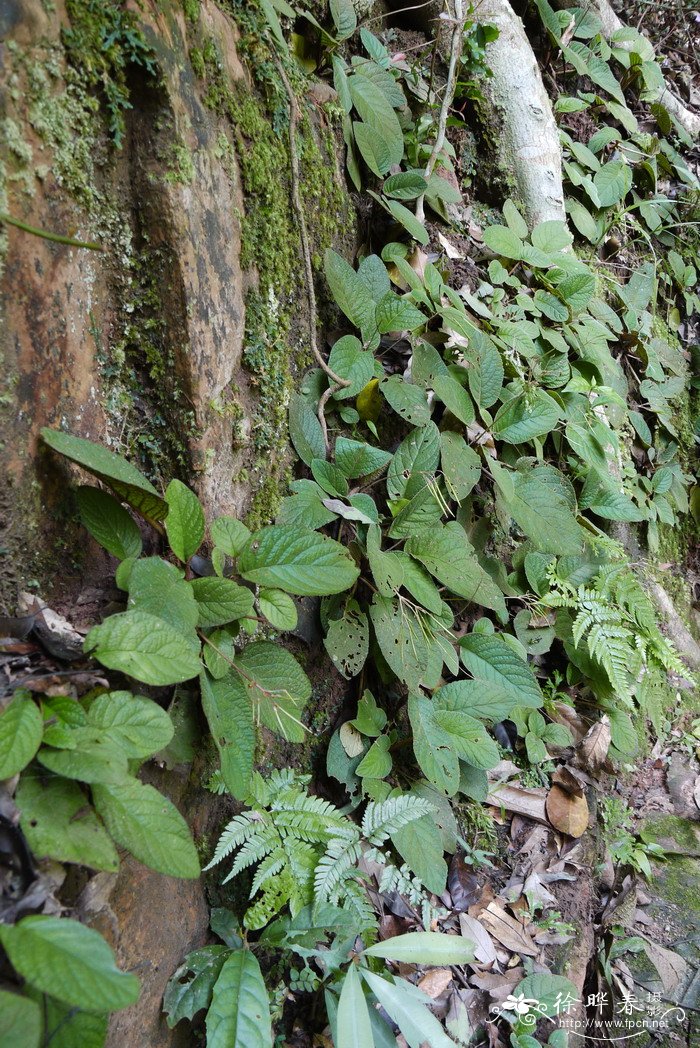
[
  {"x": 450, "y": 250},
  {"x": 569, "y": 780},
  {"x": 351, "y": 740},
  {"x": 435, "y": 982},
  {"x": 519, "y": 800},
  {"x": 672, "y": 968},
  {"x": 593, "y": 751},
  {"x": 567, "y": 812},
  {"x": 506, "y": 930},
  {"x": 462, "y": 884},
  {"x": 484, "y": 950}
]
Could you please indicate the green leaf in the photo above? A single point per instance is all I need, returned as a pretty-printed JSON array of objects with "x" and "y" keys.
[
  {"x": 416, "y": 456},
  {"x": 59, "y": 823},
  {"x": 373, "y": 274},
  {"x": 527, "y": 415},
  {"x": 377, "y": 112},
  {"x": 377, "y": 762},
  {"x": 347, "y": 640},
  {"x": 401, "y": 639},
  {"x": 147, "y": 824},
  {"x": 420, "y": 846},
  {"x": 278, "y": 608},
  {"x": 490, "y": 658},
  {"x": 461, "y": 466},
  {"x": 350, "y": 361},
  {"x": 344, "y": 17},
  {"x": 112, "y": 470},
  {"x": 353, "y": 1022},
  {"x": 375, "y": 150},
  {"x": 398, "y": 314},
  {"x": 613, "y": 182},
  {"x": 514, "y": 219},
  {"x": 66, "y": 960},
  {"x": 239, "y": 1014},
  {"x": 432, "y": 746},
  {"x": 540, "y": 502},
  {"x": 21, "y": 729},
  {"x": 479, "y": 698},
  {"x": 221, "y": 601},
  {"x": 371, "y": 719},
  {"x": 108, "y": 522},
  {"x": 433, "y": 948},
  {"x": 229, "y": 534},
  {"x": 418, "y": 513},
  {"x": 356, "y": 459},
  {"x": 184, "y": 523},
  {"x": 409, "y": 221},
  {"x": 277, "y": 687},
  {"x": 302, "y": 563},
  {"x": 550, "y": 991},
  {"x": 503, "y": 241},
  {"x": 330, "y": 478},
  {"x": 408, "y": 1007},
  {"x": 448, "y": 555},
  {"x": 454, "y": 397},
  {"x": 551, "y": 237},
  {"x": 21, "y": 1021},
  {"x": 305, "y": 508},
  {"x": 407, "y": 400},
  {"x": 602, "y": 495},
  {"x": 304, "y": 428},
  {"x": 583, "y": 220},
  {"x": 159, "y": 588},
  {"x": 144, "y": 647},
  {"x": 349, "y": 292},
  {"x": 137, "y": 724},
  {"x": 229, "y": 712},
  {"x": 191, "y": 986},
  {"x": 92, "y": 758},
  {"x": 484, "y": 369},
  {"x": 407, "y": 185}
]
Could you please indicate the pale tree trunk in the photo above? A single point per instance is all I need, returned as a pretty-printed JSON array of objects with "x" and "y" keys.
[{"x": 529, "y": 144}]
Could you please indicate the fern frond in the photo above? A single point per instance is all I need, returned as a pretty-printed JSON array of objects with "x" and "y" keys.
[
  {"x": 610, "y": 647},
  {"x": 268, "y": 868},
  {"x": 340, "y": 855},
  {"x": 383, "y": 818},
  {"x": 240, "y": 828},
  {"x": 255, "y": 849}
]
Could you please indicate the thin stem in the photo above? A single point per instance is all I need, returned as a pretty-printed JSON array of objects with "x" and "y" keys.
[{"x": 46, "y": 235}]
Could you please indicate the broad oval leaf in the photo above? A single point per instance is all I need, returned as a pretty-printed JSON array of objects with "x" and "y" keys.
[
  {"x": 59, "y": 823},
  {"x": 144, "y": 647},
  {"x": 490, "y": 658},
  {"x": 21, "y": 728},
  {"x": 20, "y": 1021},
  {"x": 67, "y": 960},
  {"x": 191, "y": 986},
  {"x": 302, "y": 563},
  {"x": 528, "y": 415},
  {"x": 229, "y": 534},
  {"x": 139, "y": 725},
  {"x": 221, "y": 601},
  {"x": 239, "y": 1014},
  {"x": 278, "y": 608},
  {"x": 147, "y": 824},
  {"x": 184, "y": 523},
  {"x": 277, "y": 687},
  {"x": 108, "y": 522}
]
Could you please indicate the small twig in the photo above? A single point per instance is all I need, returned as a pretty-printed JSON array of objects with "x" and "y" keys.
[
  {"x": 455, "y": 54},
  {"x": 339, "y": 382},
  {"x": 46, "y": 235}
]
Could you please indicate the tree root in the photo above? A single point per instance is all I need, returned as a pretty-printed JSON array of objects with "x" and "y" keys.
[
  {"x": 338, "y": 382},
  {"x": 530, "y": 139},
  {"x": 690, "y": 122}
]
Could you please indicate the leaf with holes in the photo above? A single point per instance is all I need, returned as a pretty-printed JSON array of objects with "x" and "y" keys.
[
  {"x": 347, "y": 640},
  {"x": 59, "y": 824}
]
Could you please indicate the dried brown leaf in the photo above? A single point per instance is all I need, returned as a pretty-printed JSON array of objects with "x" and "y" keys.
[
  {"x": 484, "y": 950},
  {"x": 520, "y": 800},
  {"x": 593, "y": 751},
  {"x": 435, "y": 982},
  {"x": 672, "y": 968},
  {"x": 567, "y": 813},
  {"x": 506, "y": 930}
]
